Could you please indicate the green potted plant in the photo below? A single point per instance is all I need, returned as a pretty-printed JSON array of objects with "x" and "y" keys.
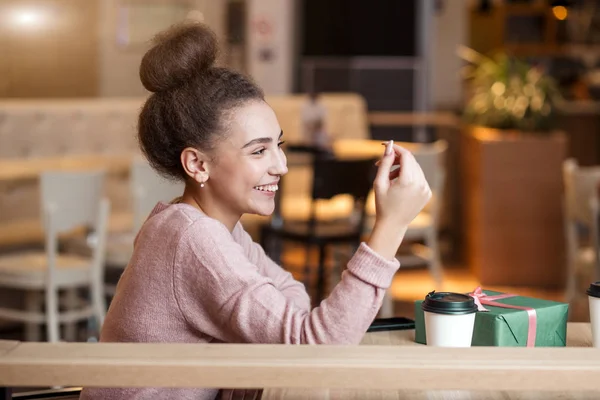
[
  {"x": 512, "y": 157},
  {"x": 508, "y": 93}
]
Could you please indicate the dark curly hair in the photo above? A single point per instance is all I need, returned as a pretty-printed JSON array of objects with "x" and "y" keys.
[{"x": 191, "y": 96}]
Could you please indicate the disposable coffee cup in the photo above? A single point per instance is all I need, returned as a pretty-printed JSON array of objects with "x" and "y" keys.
[
  {"x": 449, "y": 319},
  {"x": 593, "y": 293}
]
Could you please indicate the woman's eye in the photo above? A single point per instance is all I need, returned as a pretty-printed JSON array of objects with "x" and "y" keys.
[{"x": 262, "y": 150}]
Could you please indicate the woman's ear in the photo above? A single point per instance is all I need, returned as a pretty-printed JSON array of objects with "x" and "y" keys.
[{"x": 195, "y": 164}]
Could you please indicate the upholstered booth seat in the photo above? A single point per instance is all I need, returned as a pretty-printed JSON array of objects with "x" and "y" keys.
[{"x": 51, "y": 134}]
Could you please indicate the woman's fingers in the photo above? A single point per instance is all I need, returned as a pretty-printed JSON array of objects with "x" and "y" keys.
[
  {"x": 409, "y": 170},
  {"x": 409, "y": 167},
  {"x": 382, "y": 181},
  {"x": 396, "y": 161},
  {"x": 395, "y": 173}
]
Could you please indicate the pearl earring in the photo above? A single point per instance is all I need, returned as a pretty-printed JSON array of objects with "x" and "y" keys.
[{"x": 201, "y": 184}]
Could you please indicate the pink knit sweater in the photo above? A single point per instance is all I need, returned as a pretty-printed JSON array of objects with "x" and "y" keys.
[{"x": 191, "y": 280}]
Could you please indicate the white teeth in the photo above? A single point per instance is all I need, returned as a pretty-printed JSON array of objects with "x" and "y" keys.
[{"x": 267, "y": 188}]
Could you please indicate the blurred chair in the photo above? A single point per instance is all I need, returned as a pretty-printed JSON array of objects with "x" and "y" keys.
[
  {"x": 425, "y": 226},
  {"x": 69, "y": 200},
  {"x": 431, "y": 158},
  {"x": 147, "y": 188},
  {"x": 581, "y": 226},
  {"x": 331, "y": 177}
]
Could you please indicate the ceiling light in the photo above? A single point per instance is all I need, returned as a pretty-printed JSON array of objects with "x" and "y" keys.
[{"x": 28, "y": 18}]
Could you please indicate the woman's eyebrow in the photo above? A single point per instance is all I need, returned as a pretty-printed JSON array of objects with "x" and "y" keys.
[{"x": 263, "y": 140}]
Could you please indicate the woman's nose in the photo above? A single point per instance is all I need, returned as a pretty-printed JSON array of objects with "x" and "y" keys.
[{"x": 279, "y": 166}]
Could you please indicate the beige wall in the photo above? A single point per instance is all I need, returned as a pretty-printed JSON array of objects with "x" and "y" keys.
[
  {"x": 451, "y": 31},
  {"x": 48, "y": 48},
  {"x": 119, "y": 66}
]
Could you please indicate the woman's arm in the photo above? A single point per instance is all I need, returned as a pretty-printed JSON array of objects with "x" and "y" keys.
[
  {"x": 282, "y": 280},
  {"x": 238, "y": 304},
  {"x": 221, "y": 293}
]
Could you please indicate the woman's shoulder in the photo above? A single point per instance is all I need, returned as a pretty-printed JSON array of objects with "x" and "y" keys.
[{"x": 183, "y": 223}]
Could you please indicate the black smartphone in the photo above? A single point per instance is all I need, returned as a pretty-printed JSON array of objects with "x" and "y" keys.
[{"x": 391, "y": 324}]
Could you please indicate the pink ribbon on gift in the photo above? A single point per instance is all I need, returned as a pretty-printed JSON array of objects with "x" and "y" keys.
[{"x": 482, "y": 298}]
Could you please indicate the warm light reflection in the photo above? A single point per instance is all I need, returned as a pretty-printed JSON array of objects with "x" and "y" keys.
[
  {"x": 28, "y": 18},
  {"x": 560, "y": 12},
  {"x": 498, "y": 88}
]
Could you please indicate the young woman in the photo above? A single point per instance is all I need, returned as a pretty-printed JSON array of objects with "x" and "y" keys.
[{"x": 195, "y": 275}]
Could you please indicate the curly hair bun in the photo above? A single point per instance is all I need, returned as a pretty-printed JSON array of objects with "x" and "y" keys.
[{"x": 178, "y": 54}]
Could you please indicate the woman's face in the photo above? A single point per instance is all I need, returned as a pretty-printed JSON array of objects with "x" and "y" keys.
[{"x": 249, "y": 162}]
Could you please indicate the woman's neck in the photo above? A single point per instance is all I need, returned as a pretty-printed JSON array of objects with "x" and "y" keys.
[{"x": 203, "y": 203}]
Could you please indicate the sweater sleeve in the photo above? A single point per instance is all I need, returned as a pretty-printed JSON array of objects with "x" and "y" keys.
[
  {"x": 282, "y": 280},
  {"x": 221, "y": 293}
]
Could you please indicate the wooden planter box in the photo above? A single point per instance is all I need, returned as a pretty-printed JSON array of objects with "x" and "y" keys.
[{"x": 512, "y": 198}]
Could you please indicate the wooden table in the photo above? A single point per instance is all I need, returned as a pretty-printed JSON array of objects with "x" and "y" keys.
[
  {"x": 401, "y": 368},
  {"x": 7, "y": 345},
  {"x": 437, "y": 119},
  {"x": 578, "y": 335},
  {"x": 21, "y": 169}
]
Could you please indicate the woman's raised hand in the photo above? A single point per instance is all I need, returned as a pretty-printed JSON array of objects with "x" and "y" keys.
[{"x": 400, "y": 194}]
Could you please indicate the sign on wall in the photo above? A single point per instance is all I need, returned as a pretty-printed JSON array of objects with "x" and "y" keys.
[{"x": 270, "y": 44}]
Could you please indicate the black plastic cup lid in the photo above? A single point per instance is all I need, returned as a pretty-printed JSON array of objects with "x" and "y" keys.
[
  {"x": 594, "y": 289},
  {"x": 449, "y": 303}
]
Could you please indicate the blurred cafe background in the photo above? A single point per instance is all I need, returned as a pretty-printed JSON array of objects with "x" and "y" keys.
[{"x": 498, "y": 100}]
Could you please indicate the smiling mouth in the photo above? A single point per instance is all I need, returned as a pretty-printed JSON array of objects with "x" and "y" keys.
[{"x": 267, "y": 188}]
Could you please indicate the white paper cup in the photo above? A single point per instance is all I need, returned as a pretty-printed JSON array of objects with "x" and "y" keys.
[
  {"x": 594, "y": 301},
  {"x": 443, "y": 330},
  {"x": 449, "y": 319}
]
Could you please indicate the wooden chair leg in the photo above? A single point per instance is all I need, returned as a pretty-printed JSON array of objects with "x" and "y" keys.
[
  {"x": 98, "y": 305},
  {"x": 277, "y": 250},
  {"x": 264, "y": 241},
  {"x": 307, "y": 267},
  {"x": 321, "y": 275},
  {"x": 71, "y": 299},
  {"x": 339, "y": 259},
  {"x": 52, "y": 320},
  {"x": 33, "y": 304},
  {"x": 271, "y": 245}
]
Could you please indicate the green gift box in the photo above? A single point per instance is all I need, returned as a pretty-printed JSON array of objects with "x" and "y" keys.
[{"x": 509, "y": 327}]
